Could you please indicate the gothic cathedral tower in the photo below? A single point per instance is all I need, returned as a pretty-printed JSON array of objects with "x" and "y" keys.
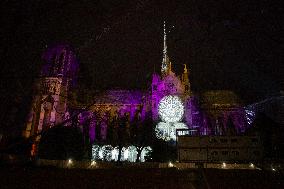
[{"x": 58, "y": 74}]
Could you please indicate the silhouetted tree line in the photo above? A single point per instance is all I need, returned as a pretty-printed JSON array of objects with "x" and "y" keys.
[{"x": 271, "y": 135}]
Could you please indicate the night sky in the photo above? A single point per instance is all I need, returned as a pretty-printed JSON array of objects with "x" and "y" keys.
[{"x": 236, "y": 45}]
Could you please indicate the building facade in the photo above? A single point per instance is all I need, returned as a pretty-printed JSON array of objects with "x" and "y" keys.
[
  {"x": 219, "y": 149},
  {"x": 58, "y": 75},
  {"x": 170, "y": 103}
]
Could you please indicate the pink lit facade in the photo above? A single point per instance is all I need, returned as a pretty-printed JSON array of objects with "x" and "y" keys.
[{"x": 51, "y": 106}]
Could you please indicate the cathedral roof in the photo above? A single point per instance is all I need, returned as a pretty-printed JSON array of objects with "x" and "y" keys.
[
  {"x": 216, "y": 100},
  {"x": 119, "y": 97}
]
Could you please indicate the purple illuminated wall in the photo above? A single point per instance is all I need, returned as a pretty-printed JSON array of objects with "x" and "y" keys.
[
  {"x": 60, "y": 60},
  {"x": 61, "y": 66},
  {"x": 123, "y": 101}
]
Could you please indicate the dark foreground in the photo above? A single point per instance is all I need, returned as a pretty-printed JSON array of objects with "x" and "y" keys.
[{"x": 48, "y": 177}]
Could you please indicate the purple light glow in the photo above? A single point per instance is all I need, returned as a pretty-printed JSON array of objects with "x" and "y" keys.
[
  {"x": 132, "y": 106},
  {"x": 60, "y": 60}
]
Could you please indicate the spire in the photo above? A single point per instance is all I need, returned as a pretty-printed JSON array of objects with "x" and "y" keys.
[
  {"x": 185, "y": 80},
  {"x": 165, "y": 41},
  {"x": 185, "y": 69},
  {"x": 165, "y": 63},
  {"x": 185, "y": 74}
]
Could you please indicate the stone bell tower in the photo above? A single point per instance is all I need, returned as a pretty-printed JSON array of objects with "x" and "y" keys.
[{"x": 58, "y": 75}]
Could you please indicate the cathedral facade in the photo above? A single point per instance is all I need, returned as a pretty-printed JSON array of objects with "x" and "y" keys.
[{"x": 170, "y": 104}]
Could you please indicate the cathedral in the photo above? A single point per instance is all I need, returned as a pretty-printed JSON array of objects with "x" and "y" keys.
[{"x": 169, "y": 104}]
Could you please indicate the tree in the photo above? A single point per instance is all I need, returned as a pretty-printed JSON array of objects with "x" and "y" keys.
[
  {"x": 119, "y": 136},
  {"x": 163, "y": 151},
  {"x": 231, "y": 130},
  {"x": 270, "y": 134},
  {"x": 142, "y": 135},
  {"x": 61, "y": 142}
]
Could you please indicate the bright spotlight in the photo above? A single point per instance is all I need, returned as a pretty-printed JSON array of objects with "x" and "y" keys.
[
  {"x": 224, "y": 165},
  {"x": 93, "y": 163},
  {"x": 69, "y": 162}
]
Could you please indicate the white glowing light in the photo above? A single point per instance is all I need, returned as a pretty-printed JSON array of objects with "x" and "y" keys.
[
  {"x": 95, "y": 152},
  {"x": 132, "y": 153},
  {"x": 70, "y": 162},
  {"x": 250, "y": 116},
  {"x": 101, "y": 156},
  {"x": 171, "y": 109},
  {"x": 167, "y": 131},
  {"x": 145, "y": 152},
  {"x": 251, "y": 165},
  {"x": 170, "y": 164},
  {"x": 93, "y": 163},
  {"x": 125, "y": 154},
  {"x": 108, "y": 153},
  {"x": 114, "y": 153},
  {"x": 224, "y": 165}
]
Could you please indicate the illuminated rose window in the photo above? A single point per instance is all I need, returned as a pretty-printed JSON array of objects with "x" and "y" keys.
[{"x": 171, "y": 109}]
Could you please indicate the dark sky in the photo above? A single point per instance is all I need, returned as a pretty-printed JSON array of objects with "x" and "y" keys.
[{"x": 235, "y": 45}]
